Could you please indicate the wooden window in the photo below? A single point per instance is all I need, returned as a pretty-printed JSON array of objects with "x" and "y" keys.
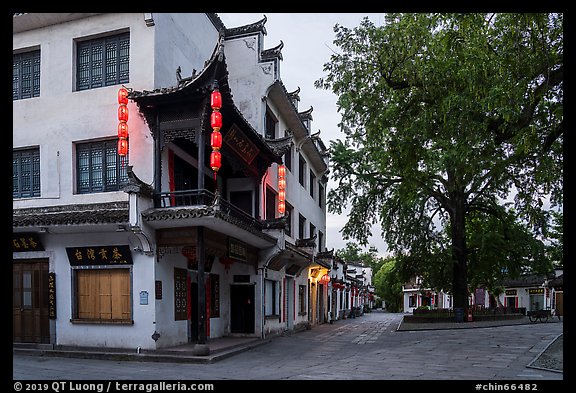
[
  {"x": 301, "y": 226},
  {"x": 289, "y": 213},
  {"x": 301, "y": 170},
  {"x": 312, "y": 183},
  {"x": 301, "y": 299},
  {"x": 26, "y": 173},
  {"x": 26, "y": 75},
  {"x": 270, "y": 204},
  {"x": 270, "y": 125},
  {"x": 103, "y": 294},
  {"x": 272, "y": 298},
  {"x": 99, "y": 167},
  {"x": 180, "y": 294},
  {"x": 321, "y": 195},
  {"x": 103, "y": 62}
]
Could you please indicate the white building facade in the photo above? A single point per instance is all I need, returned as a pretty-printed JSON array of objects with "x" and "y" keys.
[{"x": 156, "y": 248}]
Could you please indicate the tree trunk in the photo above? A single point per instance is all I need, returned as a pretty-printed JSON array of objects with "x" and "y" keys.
[{"x": 459, "y": 254}]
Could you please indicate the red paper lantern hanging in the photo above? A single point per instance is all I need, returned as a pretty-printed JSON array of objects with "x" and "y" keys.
[
  {"x": 216, "y": 140},
  {"x": 281, "y": 184},
  {"x": 122, "y": 147},
  {"x": 215, "y": 161},
  {"x": 216, "y": 120},
  {"x": 281, "y": 171},
  {"x": 281, "y": 207},
  {"x": 122, "y": 129},
  {"x": 123, "y": 112},
  {"x": 123, "y": 96},
  {"x": 216, "y": 100},
  {"x": 281, "y": 195}
]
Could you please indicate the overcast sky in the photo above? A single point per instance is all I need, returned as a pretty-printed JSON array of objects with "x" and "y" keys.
[{"x": 308, "y": 44}]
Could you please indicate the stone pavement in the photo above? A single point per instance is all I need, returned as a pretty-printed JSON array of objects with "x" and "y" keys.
[{"x": 365, "y": 348}]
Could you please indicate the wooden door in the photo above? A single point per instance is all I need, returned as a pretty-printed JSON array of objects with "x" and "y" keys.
[
  {"x": 30, "y": 302},
  {"x": 560, "y": 303}
]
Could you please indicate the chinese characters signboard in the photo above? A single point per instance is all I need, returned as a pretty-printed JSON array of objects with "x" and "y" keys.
[
  {"x": 99, "y": 255},
  {"x": 22, "y": 242},
  {"x": 52, "y": 295},
  {"x": 240, "y": 143},
  {"x": 536, "y": 291},
  {"x": 237, "y": 250}
]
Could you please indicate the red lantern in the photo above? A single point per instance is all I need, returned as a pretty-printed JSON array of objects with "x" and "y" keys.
[
  {"x": 122, "y": 96},
  {"x": 123, "y": 112},
  {"x": 281, "y": 171},
  {"x": 281, "y": 184},
  {"x": 216, "y": 120},
  {"x": 215, "y": 160},
  {"x": 122, "y": 129},
  {"x": 216, "y": 140},
  {"x": 122, "y": 147},
  {"x": 281, "y": 207},
  {"x": 216, "y": 100},
  {"x": 282, "y": 195}
]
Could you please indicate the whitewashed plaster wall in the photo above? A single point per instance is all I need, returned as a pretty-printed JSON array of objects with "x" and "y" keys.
[
  {"x": 61, "y": 115},
  {"x": 249, "y": 79},
  {"x": 101, "y": 335},
  {"x": 184, "y": 40}
]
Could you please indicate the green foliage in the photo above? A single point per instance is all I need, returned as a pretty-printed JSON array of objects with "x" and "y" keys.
[
  {"x": 447, "y": 116},
  {"x": 388, "y": 284},
  {"x": 353, "y": 253}
]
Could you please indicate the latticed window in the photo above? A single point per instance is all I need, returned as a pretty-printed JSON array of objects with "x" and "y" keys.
[
  {"x": 26, "y": 173},
  {"x": 99, "y": 168},
  {"x": 26, "y": 75},
  {"x": 103, "y": 62}
]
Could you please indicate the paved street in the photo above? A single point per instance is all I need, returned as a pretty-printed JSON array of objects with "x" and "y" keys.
[{"x": 365, "y": 348}]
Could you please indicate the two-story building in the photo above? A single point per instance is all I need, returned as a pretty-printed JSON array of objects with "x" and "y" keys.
[{"x": 147, "y": 214}]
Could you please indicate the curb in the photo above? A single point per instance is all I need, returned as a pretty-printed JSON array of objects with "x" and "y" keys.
[
  {"x": 182, "y": 357},
  {"x": 530, "y": 365}
]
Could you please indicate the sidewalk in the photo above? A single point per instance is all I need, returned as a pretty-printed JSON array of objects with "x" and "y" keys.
[
  {"x": 467, "y": 325},
  {"x": 219, "y": 348}
]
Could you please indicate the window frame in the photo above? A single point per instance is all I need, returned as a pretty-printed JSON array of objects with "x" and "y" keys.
[
  {"x": 271, "y": 298},
  {"x": 34, "y": 76},
  {"x": 34, "y": 153},
  {"x": 121, "y": 63},
  {"x": 120, "y": 163},
  {"x": 76, "y": 296}
]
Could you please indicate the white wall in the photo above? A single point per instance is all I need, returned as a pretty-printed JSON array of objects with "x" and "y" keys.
[{"x": 101, "y": 335}]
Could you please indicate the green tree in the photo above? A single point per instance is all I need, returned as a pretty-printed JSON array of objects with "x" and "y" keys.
[
  {"x": 445, "y": 116},
  {"x": 388, "y": 284},
  {"x": 354, "y": 253}
]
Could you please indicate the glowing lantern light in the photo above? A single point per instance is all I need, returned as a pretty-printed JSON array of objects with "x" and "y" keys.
[
  {"x": 281, "y": 171},
  {"x": 216, "y": 120},
  {"x": 216, "y": 140},
  {"x": 122, "y": 147},
  {"x": 281, "y": 207},
  {"x": 123, "y": 125},
  {"x": 215, "y": 161},
  {"x": 282, "y": 184},
  {"x": 281, "y": 195},
  {"x": 122, "y": 129},
  {"x": 216, "y": 124},
  {"x": 123, "y": 112},
  {"x": 123, "y": 96},
  {"x": 216, "y": 100}
]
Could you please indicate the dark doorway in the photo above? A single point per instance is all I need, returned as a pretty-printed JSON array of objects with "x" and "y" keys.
[
  {"x": 241, "y": 308},
  {"x": 30, "y": 302}
]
